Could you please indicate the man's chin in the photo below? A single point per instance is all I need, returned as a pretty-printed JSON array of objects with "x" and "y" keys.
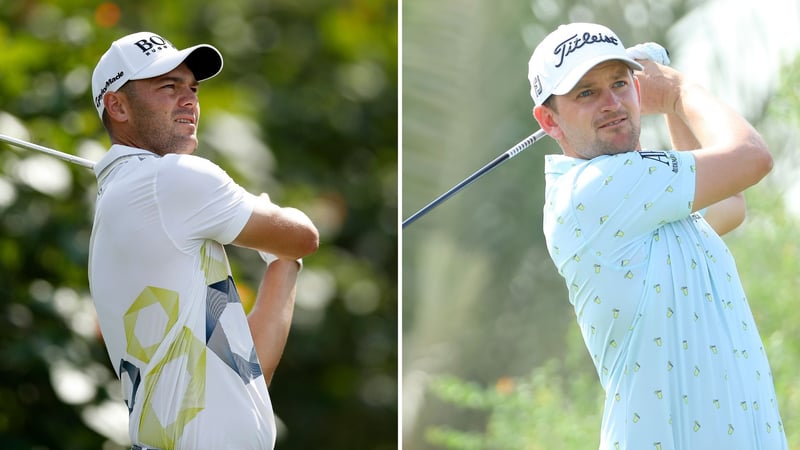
[
  {"x": 189, "y": 145},
  {"x": 606, "y": 150},
  {"x": 186, "y": 147},
  {"x": 620, "y": 146}
]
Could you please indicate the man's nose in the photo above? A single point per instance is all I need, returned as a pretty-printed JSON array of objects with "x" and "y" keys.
[
  {"x": 611, "y": 101},
  {"x": 189, "y": 96}
]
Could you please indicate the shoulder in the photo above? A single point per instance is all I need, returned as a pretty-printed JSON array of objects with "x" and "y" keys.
[
  {"x": 191, "y": 169},
  {"x": 198, "y": 200},
  {"x": 190, "y": 164},
  {"x": 651, "y": 160},
  {"x": 189, "y": 176},
  {"x": 660, "y": 164}
]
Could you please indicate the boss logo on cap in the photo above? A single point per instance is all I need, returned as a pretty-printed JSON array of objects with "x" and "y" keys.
[
  {"x": 575, "y": 42},
  {"x": 153, "y": 44}
]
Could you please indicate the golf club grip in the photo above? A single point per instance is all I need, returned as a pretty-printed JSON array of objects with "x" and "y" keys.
[{"x": 505, "y": 156}]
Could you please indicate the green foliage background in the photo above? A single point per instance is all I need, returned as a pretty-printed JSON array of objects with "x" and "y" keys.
[
  {"x": 492, "y": 358},
  {"x": 304, "y": 109}
]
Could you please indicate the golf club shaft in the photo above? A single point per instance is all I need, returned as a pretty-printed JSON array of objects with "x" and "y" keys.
[
  {"x": 61, "y": 155},
  {"x": 508, "y": 154}
]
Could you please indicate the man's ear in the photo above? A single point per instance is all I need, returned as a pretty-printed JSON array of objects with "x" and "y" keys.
[
  {"x": 546, "y": 118},
  {"x": 117, "y": 106}
]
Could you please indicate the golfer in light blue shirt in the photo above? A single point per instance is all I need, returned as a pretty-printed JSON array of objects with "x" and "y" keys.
[{"x": 656, "y": 292}]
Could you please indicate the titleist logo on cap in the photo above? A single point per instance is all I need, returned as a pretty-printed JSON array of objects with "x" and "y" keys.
[{"x": 575, "y": 42}]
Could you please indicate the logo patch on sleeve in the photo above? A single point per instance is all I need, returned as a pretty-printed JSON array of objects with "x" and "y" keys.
[{"x": 666, "y": 158}]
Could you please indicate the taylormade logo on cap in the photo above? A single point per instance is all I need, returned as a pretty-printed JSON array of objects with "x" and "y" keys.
[
  {"x": 566, "y": 54},
  {"x": 98, "y": 100},
  {"x": 146, "y": 55}
]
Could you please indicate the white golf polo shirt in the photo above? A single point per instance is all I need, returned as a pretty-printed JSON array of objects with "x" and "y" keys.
[
  {"x": 660, "y": 305},
  {"x": 170, "y": 315}
]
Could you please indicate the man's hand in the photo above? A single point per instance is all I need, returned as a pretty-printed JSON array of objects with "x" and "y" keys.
[
  {"x": 654, "y": 55},
  {"x": 660, "y": 88},
  {"x": 649, "y": 51},
  {"x": 730, "y": 155}
]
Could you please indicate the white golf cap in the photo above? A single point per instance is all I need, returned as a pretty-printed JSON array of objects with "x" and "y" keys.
[
  {"x": 566, "y": 54},
  {"x": 146, "y": 55}
]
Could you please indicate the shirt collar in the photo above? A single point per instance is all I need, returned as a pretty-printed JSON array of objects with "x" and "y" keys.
[
  {"x": 117, "y": 153},
  {"x": 560, "y": 164}
]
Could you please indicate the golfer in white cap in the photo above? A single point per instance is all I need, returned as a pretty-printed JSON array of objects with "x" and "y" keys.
[
  {"x": 194, "y": 368},
  {"x": 635, "y": 234}
]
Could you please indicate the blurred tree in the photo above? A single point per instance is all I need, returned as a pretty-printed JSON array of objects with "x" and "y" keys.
[{"x": 305, "y": 109}]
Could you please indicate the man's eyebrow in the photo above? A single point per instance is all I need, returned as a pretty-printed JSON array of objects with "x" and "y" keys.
[
  {"x": 583, "y": 84},
  {"x": 622, "y": 72}
]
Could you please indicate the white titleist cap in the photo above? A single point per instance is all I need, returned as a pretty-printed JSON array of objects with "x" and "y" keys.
[
  {"x": 566, "y": 54},
  {"x": 146, "y": 55}
]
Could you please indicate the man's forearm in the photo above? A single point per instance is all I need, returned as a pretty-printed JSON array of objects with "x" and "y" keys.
[
  {"x": 679, "y": 133},
  {"x": 271, "y": 316},
  {"x": 731, "y": 156},
  {"x": 283, "y": 231},
  {"x": 725, "y": 215}
]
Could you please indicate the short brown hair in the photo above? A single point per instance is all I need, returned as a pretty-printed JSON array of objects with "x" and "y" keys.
[{"x": 550, "y": 103}]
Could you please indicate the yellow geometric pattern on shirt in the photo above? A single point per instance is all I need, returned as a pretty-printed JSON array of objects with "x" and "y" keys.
[
  {"x": 149, "y": 296},
  {"x": 151, "y": 430},
  {"x": 213, "y": 261}
]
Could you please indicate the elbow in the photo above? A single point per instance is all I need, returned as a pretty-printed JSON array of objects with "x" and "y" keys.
[
  {"x": 306, "y": 240},
  {"x": 755, "y": 160},
  {"x": 764, "y": 161},
  {"x": 305, "y": 236},
  {"x": 311, "y": 240},
  {"x": 767, "y": 162}
]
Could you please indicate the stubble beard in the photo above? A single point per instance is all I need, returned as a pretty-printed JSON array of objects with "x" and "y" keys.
[
  {"x": 161, "y": 138},
  {"x": 602, "y": 147}
]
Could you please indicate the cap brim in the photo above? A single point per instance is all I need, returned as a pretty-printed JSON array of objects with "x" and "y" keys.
[
  {"x": 572, "y": 79},
  {"x": 203, "y": 60}
]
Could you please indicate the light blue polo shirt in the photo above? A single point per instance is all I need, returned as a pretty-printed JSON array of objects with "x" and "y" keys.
[{"x": 660, "y": 305}]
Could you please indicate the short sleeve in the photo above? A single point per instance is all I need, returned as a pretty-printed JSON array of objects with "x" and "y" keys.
[
  {"x": 199, "y": 200},
  {"x": 620, "y": 198}
]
